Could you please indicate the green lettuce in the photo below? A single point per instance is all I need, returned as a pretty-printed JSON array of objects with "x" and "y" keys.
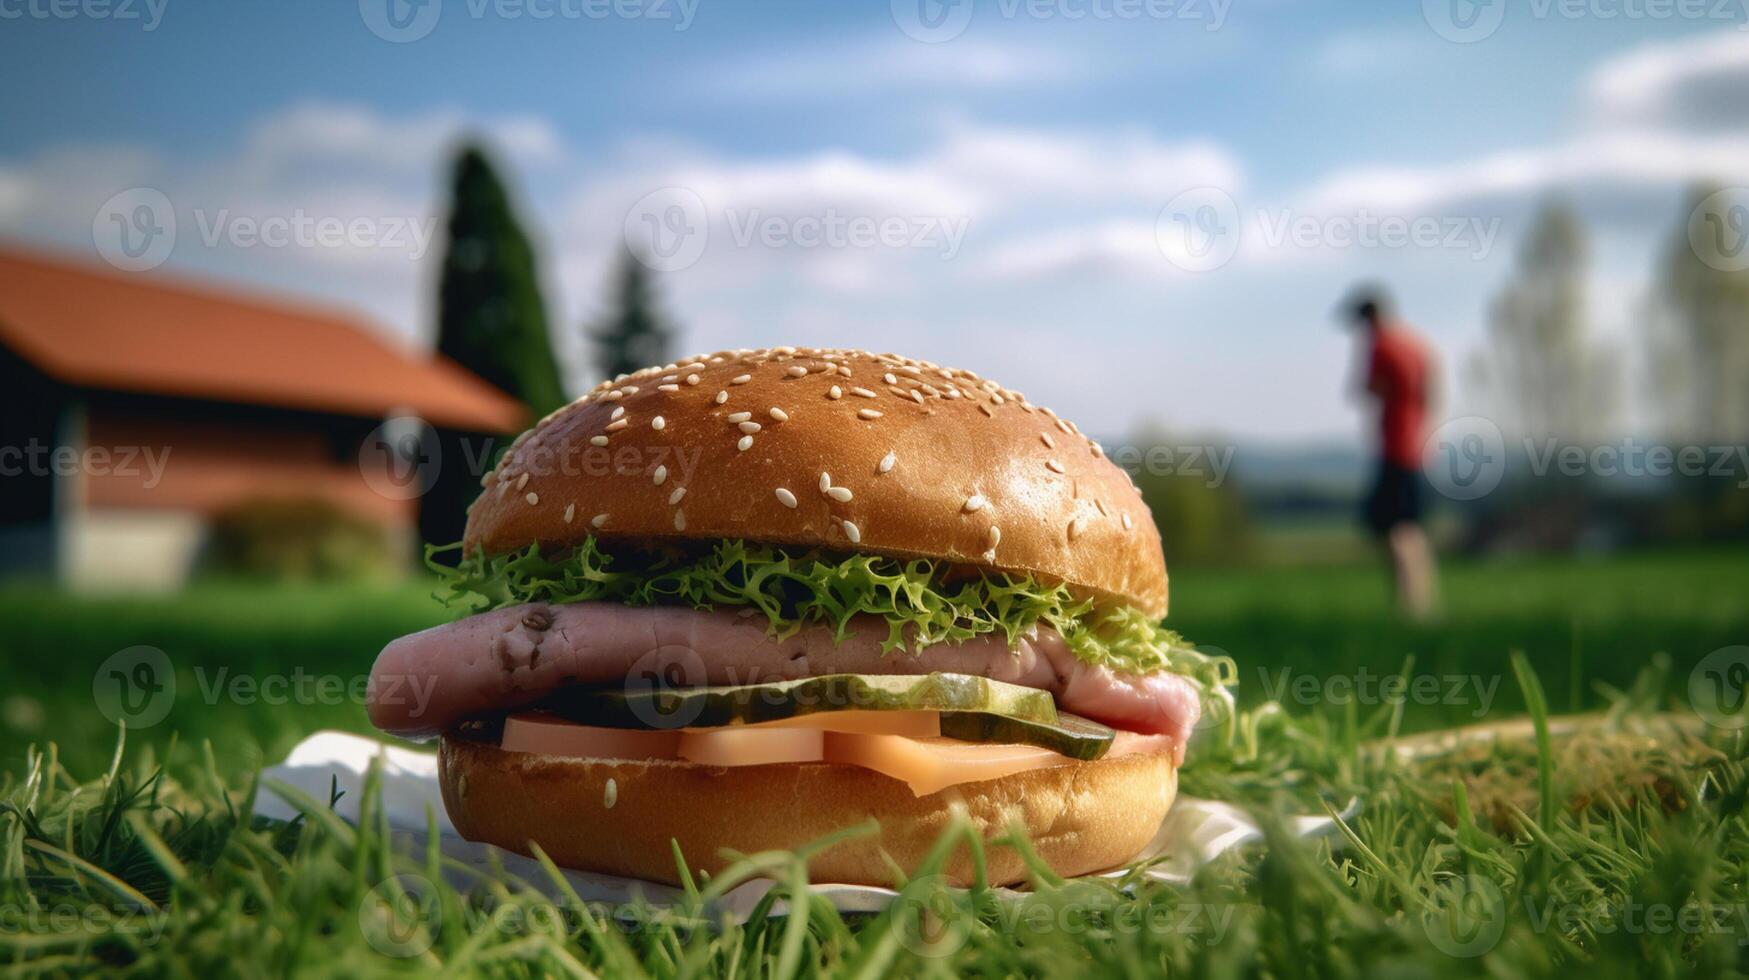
[{"x": 923, "y": 602}]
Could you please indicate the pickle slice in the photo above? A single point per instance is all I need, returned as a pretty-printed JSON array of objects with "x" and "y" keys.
[
  {"x": 641, "y": 705},
  {"x": 1072, "y": 735}
]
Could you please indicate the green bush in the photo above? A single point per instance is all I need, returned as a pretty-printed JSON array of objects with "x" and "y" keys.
[{"x": 299, "y": 539}]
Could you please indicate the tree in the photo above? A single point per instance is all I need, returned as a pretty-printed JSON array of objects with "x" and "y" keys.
[
  {"x": 1699, "y": 325},
  {"x": 634, "y": 334},
  {"x": 491, "y": 318},
  {"x": 1545, "y": 374}
]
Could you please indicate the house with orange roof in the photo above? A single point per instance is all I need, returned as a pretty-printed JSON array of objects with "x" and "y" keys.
[{"x": 139, "y": 407}]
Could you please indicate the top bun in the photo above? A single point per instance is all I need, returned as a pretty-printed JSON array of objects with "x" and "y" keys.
[{"x": 836, "y": 449}]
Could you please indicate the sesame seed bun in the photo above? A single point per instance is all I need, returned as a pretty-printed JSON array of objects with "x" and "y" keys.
[
  {"x": 839, "y": 449},
  {"x": 1081, "y": 817}
]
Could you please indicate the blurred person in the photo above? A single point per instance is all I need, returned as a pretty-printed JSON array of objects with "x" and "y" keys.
[{"x": 1401, "y": 374}]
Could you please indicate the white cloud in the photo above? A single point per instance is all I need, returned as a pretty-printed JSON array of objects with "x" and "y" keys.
[
  {"x": 860, "y": 67},
  {"x": 1660, "y": 83},
  {"x": 1365, "y": 54},
  {"x": 1626, "y": 143}
]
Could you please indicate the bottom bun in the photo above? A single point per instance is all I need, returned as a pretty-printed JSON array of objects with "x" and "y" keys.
[{"x": 1081, "y": 817}]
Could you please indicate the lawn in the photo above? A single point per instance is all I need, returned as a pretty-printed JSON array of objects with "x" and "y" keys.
[
  {"x": 238, "y": 648},
  {"x": 1621, "y": 847}
]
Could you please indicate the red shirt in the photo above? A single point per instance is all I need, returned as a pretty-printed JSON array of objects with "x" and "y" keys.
[{"x": 1397, "y": 374}]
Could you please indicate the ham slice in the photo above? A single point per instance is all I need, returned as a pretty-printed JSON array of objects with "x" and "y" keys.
[{"x": 425, "y": 683}]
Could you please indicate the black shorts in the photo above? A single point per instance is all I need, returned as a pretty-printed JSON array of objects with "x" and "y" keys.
[{"x": 1395, "y": 498}]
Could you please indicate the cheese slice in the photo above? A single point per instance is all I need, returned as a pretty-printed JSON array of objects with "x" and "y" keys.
[{"x": 905, "y": 745}]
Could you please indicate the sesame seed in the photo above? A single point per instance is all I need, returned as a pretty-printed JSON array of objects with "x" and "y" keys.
[
  {"x": 674, "y": 498},
  {"x": 667, "y": 387},
  {"x": 598, "y": 440},
  {"x": 986, "y": 410},
  {"x": 680, "y": 520},
  {"x": 797, "y": 371},
  {"x": 975, "y": 503},
  {"x": 1054, "y": 466},
  {"x": 618, "y": 411},
  {"x": 889, "y": 379},
  {"x": 616, "y": 426},
  {"x": 995, "y": 537},
  {"x": 722, "y": 396},
  {"x": 887, "y": 463},
  {"x": 1075, "y": 527},
  {"x": 745, "y": 444},
  {"x": 840, "y": 494},
  {"x": 917, "y": 396},
  {"x": 1045, "y": 437},
  {"x": 852, "y": 532},
  {"x": 522, "y": 481},
  {"x": 868, "y": 413},
  {"x": 740, "y": 379},
  {"x": 750, "y": 427},
  {"x": 692, "y": 379},
  {"x": 825, "y": 481},
  {"x": 834, "y": 392},
  {"x": 1127, "y": 523},
  {"x": 737, "y": 418},
  {"x": 533, "y": 498},
  {"x": 630, "y": 389},
  {"x": 1100, "y": 504},
  {"x": 1064, "y": 426},
  {"x": 1097, "y": 449},
  {"x": 570, "y": 512},
  {"x": 660, "y": 475},
  {"x": 658, "y": 423},
  {"x": 779, "y": 414},
  {"x": 862, "y": 393},
  {"x": 996, "y": 399},
  {"x": 598, "y": 520},
  {"x": 785, "y": 497},
  {"x": 614, "y": 395}
]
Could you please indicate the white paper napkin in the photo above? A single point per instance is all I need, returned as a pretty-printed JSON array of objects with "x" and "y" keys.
[{"x": 1194, "y": 832}]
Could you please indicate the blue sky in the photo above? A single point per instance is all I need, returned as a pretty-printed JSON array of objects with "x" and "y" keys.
[{"x": 1036, "y": 158}]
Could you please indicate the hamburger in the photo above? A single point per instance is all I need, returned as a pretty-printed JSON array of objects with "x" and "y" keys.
[{"x": 741, "y": 602}]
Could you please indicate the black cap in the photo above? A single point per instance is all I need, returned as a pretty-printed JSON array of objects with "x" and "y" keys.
[{"x": 1364, "y": 303}]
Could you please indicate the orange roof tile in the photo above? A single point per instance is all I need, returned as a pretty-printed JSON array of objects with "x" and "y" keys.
[{"x": 145, "y": 333}]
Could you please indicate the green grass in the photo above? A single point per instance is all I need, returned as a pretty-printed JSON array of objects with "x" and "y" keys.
[
  {"x": 1599, "y": 622},
  {"x": 1619, "y": 849}
]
